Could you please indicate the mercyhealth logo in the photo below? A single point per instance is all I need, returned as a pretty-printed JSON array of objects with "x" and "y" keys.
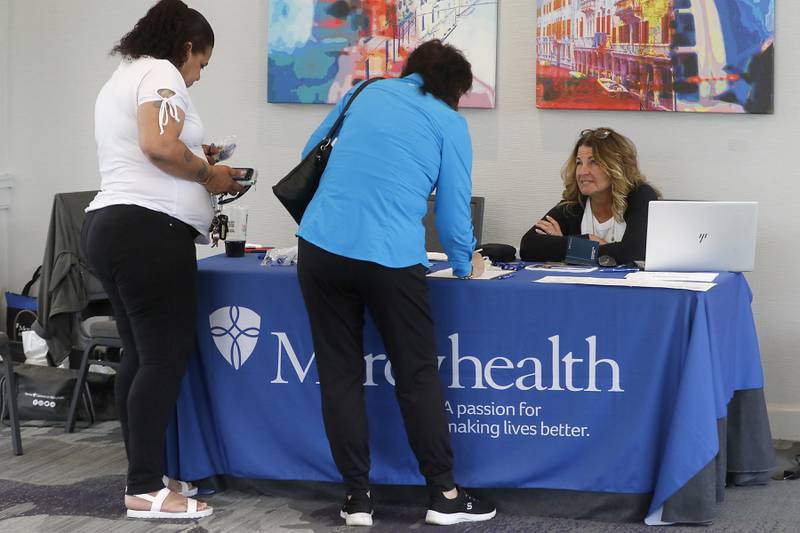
[
  {"x": 235, "y": 331},
  {"x": 573, "y": 371}
]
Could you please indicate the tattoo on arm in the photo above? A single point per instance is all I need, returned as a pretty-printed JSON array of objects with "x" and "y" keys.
[
  {"x": 188, "y": 155},
  {"x": 202, "y": 174}
]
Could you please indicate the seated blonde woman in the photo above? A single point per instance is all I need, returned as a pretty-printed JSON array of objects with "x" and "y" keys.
[{"x": 605, "y": 199}]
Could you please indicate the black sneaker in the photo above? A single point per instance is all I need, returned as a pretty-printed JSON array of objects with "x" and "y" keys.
[
  {"x": 357, "y": 509},
  {"x": 462, "y": 508}
]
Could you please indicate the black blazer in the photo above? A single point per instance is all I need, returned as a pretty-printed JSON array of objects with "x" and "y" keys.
[{"x": 538, "y": 247}]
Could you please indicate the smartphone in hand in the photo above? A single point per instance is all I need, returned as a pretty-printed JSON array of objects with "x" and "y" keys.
[{"x": 249, "y": 176}]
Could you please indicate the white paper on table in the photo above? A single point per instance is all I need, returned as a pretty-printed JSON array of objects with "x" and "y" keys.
[
  {"x": 561, "y": 268},
  {"x": 437, "y": 256},
  {"x": 675, "y": 276},
  {"x": 624, "y": 282},
  {"x": 447, "y": 273}
]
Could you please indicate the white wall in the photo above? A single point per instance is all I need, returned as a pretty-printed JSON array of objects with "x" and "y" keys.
[
  {"x": 5, "y": 180},
  {"x": 59, "y": 59},
  {"x": 3, "y": 82}
]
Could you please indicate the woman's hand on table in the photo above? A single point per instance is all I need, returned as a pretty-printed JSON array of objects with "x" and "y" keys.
[
  {"x": 478, "y": 265},
  {"x": 595, "y": 238}
]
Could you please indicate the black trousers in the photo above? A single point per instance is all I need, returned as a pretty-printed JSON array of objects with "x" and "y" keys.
[
  {"x": 147, "y": 264},
  {"x": 336, "y": 290}
]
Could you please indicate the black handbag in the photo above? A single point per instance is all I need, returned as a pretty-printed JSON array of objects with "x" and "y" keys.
[{"x": 297, "y": 188}]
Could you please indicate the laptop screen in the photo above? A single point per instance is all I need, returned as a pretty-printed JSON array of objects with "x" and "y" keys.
[
  {"x": 701, "y": 236},
  {"x": 432, "y": 243}
]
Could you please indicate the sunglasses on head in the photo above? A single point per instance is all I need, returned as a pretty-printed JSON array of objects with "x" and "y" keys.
[{"x": 599, "y": 133}]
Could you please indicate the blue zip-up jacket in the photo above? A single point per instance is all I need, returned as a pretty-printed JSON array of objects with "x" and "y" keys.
[{"x": 395, "y": 147}]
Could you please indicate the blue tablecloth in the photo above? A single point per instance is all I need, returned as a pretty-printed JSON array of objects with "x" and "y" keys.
[{"x": 590, "y": 388}]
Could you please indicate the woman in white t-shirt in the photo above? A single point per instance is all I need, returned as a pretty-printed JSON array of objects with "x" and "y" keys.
[{"x": 139, "y": 234}]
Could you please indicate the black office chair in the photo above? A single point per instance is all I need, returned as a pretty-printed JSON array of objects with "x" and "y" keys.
[
  {"x": 68, "y": 328},
  {"x": 97, "y": 332},
  {"x": 11, "y": 394},
  {"x": 93, "y": 332}
]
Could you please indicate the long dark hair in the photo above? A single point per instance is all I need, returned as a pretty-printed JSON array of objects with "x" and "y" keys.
[
  {"x": 164, "y": 31},
  {"x": 446, "y": 73}
]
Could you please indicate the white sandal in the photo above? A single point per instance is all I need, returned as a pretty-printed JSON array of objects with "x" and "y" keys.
[
  {"x": 158, "y": 500},
  {"x": 185, "y": 490}
]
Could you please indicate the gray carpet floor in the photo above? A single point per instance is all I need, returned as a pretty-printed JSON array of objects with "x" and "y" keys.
[{"x": 70, "y": 483}]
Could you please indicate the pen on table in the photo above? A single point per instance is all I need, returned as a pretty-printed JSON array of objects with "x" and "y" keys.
[{"x": 620, "y": 269}]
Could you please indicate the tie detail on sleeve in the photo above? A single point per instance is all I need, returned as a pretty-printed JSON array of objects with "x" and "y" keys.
[{"x": 168, "y": 109}]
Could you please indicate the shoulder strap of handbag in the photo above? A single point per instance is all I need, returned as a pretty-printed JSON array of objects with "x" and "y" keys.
[
  {"x": 338, "y": 124},
  {"x": 26, "y": 291}
]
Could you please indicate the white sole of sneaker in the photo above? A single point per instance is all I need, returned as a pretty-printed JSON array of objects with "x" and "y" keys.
[
  {"x": 448, "y": 519},
  {"x": 356, "y": 519}
]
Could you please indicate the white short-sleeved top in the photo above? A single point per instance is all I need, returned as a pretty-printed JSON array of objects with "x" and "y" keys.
[{"x": 128, "y": 176}]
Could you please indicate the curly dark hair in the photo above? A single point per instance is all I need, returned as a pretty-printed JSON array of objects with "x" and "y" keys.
[
  {"x": 445, "y": 71},
  {"x": 164, "y": 31}
]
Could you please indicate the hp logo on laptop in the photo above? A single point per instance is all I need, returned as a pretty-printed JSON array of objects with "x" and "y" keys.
[{"x": 235, "y": 331}]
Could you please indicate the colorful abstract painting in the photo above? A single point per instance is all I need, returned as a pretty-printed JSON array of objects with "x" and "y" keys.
[
  {"x": 319, "y": 48},
  {"x": 656, "y": 55}
]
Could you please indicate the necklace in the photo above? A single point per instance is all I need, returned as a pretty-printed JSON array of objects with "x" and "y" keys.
[{"x": 613, "y": 226}]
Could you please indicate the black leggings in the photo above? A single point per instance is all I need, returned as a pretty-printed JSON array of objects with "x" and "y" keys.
[
  {"x": 147, "y": 264},
  {"x": 336, "y": 291}
]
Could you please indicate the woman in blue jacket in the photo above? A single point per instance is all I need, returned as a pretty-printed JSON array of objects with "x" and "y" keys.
[{"x": 362, "y": 244}]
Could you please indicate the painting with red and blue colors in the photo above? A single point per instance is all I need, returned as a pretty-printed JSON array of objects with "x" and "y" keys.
[
  {"x": 318, "y": 49},
  {"x": 656, "y": 55}
]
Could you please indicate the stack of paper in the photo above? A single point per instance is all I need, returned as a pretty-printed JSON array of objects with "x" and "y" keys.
[
  {"x": 437, "y": 256},
  {"x": 629, "y": 282},
  {"x": 674, "y": 276},
  {"x": 489, "y": 273}
]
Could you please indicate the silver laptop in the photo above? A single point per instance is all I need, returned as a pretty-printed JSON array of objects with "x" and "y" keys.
[{"x": 701, "y": 236}]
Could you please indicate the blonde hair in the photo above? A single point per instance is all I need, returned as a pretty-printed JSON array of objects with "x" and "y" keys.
[{"x": 616, "y": 155}]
